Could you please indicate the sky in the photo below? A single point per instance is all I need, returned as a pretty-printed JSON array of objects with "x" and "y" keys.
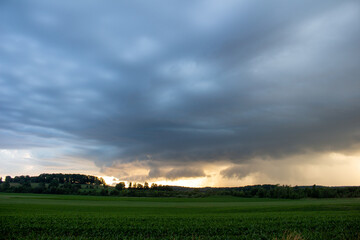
[{"x": 194, "y": 93}]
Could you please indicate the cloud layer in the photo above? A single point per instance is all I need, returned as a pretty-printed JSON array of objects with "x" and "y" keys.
[{"x": 176, "y": 86}]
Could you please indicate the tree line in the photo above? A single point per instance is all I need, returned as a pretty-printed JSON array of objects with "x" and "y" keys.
[
  {"x": 61, "y": 178},
  {"x": 80, "y": 184},
  {"x": 289, "y": 192}
]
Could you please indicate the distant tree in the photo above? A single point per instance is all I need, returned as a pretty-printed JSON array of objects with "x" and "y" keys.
[
  {"x": 6, "y": 186},
  {"x": 104, "y": 192},
  {"x": 102, "y": 181},
  {"x": 40, "y": 188},
  {"x": 315, "y": 191},
  {"x": 8, "y": 179},
  {"x": 120, "y": 186},
  {"x": 130, "y": 185},
  {"x": 261, "y": 193},
  {"x": 26, "y": 184},
  {"x": 67, "y": 185},
  {"x": 146, "y": 185},
  {"x": 42, "y": 185},
  {"x": 17, "y": 179},
  {"x": 54, "y": 183},
  {"x": 114, "y": 192}
]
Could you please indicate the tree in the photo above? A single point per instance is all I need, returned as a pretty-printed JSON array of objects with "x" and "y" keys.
[
  {"x": 26, "y": 184},
  {"x": 315, "y": 191},
  {"x": 8, "y": 179},
  {"x": 102, "y": 181},
  {"x": 146, "y": 185},
  {"x": 114, "y": 192},
  {"x": 6, "y": 185},
  {"x": 261, "y": 193},
  {"x": 54, "y": 183},
  {"x": 104, "y": 192},
  {"x": 42, "y": 185},
  {"x": 120, "y": 186}
]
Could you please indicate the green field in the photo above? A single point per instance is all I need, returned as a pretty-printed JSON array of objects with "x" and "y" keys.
[{"x": 30, "y": 216}]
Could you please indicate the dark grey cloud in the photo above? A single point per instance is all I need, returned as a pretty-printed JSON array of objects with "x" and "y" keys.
[{"x": 180, "y": 82}]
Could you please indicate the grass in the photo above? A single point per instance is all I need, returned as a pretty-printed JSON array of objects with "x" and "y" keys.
[{"x": 35, "y": 216}]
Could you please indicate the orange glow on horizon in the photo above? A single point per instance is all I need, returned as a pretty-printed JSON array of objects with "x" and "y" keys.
[{"x": 199, "y": 182}]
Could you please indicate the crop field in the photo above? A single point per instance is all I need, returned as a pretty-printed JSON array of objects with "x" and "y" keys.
[{"x": 30, "y": 216}]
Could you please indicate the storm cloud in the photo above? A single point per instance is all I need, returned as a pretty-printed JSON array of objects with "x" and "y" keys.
[{"x": 178, "y": 84}]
